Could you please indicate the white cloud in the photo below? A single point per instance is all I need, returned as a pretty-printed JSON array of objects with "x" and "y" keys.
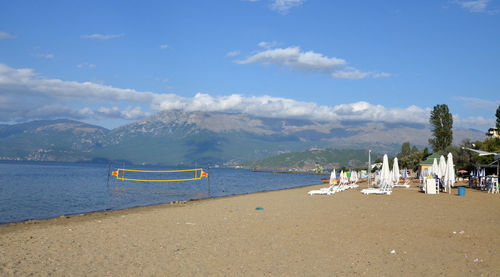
[
  {"x": 26, "y": 83},
  {"x": 164, "y": 46},
  {"x": 289, "y": 108},
  {"x": 267, "y": 45},
  {"x": 478, "y": 103},
  {"x": 27, "y": 96},
  {"x": 283, "y": 6},
  {"x": 355, "y": 74},
  {"x": 86, "y": 65},
  {"x": 350, "y": 74},
  {"x": 296, "y": 59},
  {"x": 130, "y": 113},
  {"x": 5, "y": 35},
  {"x": 476, "y": 6},
  {"x": 44, "y": 56},
  {"x": 233, "y": 53},
  {"x": 381, "y": 75},
  {"x": 101, "y": 36},
  {"x": 477, "y": 121}
]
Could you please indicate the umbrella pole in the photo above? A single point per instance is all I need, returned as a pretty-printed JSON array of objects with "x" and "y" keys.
[{"x": 369, "y": 168}]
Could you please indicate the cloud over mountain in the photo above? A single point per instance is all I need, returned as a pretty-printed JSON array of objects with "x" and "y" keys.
[{"x": 27, "y": 95}]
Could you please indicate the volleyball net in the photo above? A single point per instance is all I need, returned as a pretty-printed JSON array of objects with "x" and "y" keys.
[{"x": 163, "y": 175}]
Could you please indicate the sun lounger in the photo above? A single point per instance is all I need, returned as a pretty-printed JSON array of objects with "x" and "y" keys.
[
  {"x": 376, "y": 191},
  {"x": 383, "y": 189},
  {"x": 323, "y": 191},
  {"x": 405, "y": 185}
]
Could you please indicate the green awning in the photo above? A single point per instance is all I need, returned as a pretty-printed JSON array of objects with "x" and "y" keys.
[{"x": 430, "y": 159}]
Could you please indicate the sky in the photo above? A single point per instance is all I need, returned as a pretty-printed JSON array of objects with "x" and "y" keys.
[{"x": 113, "y": 62}]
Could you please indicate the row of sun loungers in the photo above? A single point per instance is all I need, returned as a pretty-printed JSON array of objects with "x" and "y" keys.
[
  {"x": 386, "y": 181},
  {"x": 343, "y": 184}
]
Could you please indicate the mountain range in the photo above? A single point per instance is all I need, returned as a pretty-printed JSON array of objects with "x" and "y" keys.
[
  {"x": 309, "y": 159},
  {"x": 182, "y": 138}
]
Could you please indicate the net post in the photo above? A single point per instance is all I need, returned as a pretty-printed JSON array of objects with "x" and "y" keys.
[
  {"x": 208, "y": 179},
  {"x": 109, "y": 173},
  {"x": 123, "y": 171}
]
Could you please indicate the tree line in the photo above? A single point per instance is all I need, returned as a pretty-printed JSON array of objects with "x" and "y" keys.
[{"x": 441, "y": 121}]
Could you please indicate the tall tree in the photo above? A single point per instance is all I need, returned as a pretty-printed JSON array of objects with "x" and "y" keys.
[
  {"x": 442, "y": 123},
  {"x": 405, "y": 149},
  {"x": 498, "y": 118},
  {"x": 426, "y": 153}
]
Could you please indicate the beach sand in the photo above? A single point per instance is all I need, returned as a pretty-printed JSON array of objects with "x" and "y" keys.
[{"x": 294, "y": 235}]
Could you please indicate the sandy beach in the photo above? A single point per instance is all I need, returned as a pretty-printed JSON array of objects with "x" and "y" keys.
[{"x": 405, "y": 234}]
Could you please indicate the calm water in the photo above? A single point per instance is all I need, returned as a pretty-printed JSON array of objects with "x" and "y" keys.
[{"x": 45, "y": 190}]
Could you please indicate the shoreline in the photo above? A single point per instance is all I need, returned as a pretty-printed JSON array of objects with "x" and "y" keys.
[
  {"x": 169, "y": 204},
  {"x": 294, "y": 235}
]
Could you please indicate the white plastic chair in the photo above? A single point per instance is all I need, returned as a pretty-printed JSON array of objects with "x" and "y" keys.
[
  {"x": 493, "y": 184},
  {"x": 431, "y": 186}
]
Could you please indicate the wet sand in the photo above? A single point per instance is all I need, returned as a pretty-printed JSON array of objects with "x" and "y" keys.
[{"x": 294, "y": 235}]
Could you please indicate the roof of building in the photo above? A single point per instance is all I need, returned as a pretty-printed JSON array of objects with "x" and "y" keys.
[{"x": 430, "y": 159}]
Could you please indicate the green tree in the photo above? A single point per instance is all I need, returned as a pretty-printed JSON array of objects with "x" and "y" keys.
[
  {"x": 462, "y": 158},
  {"x": 498, "y": 118},
  {"x": 426, "y": 153},
  {"x": 405, "y": 149},
  {"x": 410, "y": 157},
  {"x": 488, "y": 145},
  {"x": 441, "y": 123}
]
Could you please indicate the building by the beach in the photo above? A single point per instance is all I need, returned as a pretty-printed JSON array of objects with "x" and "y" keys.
[
  {"x": 493, "y": 133},
  {"x": 427, "y": 163}
]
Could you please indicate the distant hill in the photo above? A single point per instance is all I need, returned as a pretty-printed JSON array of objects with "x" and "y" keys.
[
  {"x": 50, "y": 140},
  {"x": 178, "y": 137},
  {"x": 306, "y": 160}
]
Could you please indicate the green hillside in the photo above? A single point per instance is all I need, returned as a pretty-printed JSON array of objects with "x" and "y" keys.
[{"x": 306, "y": 160}]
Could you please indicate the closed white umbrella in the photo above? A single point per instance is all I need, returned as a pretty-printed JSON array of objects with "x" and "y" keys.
[
  {"x": 442, "y": 166},
  {"x": 435, "y": 168},
  {"x": 449, "y": 177},
  {"x": 333, "y": 177},
  {"x": 385, "y": 174},
  {"x": 344, "y": 177},
  {"x": 354, "y": 177},
  {"x": 395, "y": 171}
]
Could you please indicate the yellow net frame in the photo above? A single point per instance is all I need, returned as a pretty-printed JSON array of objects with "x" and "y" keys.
[{"x": 195, "y": 178}]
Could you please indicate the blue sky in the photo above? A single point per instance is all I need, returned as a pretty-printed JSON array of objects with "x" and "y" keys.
[{"x": 112, "y": 62}]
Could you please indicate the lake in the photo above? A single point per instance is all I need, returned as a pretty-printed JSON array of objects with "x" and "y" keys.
[{"x": 39, "y": 190}]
